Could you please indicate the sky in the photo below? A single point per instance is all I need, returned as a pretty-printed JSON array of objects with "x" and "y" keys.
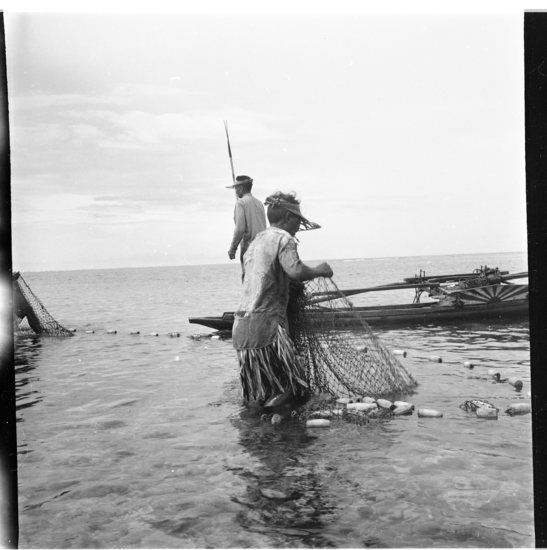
[{"x": 402, "y": 132}]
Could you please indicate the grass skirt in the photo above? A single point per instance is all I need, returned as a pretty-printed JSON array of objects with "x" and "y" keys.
[{"x": 272, "y": 370}]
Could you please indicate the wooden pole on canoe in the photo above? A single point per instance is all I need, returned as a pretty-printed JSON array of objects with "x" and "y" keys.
[
  {"x": 324, "y": 296},
  {"x": 319, "y": 297},
  {"x": 521, "y": 275}
]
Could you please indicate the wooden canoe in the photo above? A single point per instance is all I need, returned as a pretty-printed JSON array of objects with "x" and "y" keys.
[
  {"x": 496, "y": 302},
  {"x": 464, "y": 299}
]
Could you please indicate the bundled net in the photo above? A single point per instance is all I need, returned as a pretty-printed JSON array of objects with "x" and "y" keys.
[
  {"x": 28, "y": 306},
  {"x": 342, "y": 356}
]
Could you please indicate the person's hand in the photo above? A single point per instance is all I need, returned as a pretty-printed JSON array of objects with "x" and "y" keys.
[
  {"x": 324, "y": 270},
  {"x": 231, "y": 255}
]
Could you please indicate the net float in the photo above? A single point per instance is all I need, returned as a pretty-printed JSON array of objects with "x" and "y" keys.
[
  {"x": 429, "y": 413},
  {"x": 134, "y": 332},
  {"x": 406, "y": 408},
  {"x": 215, "y": 337},
  {"x": 153, "y": 334},
  {"x": 399, "y": 352},
  {"x": 89, "y": 331},
  {"x": 518, "y": 408},
  {"x": 364, "y": 349},
  {"x": 385, "y": 404},
  {"x": 436, "y": 358},
  {"x": 468, "y": 365},
  {"x": 318, "y": 423},
  {"x": 343, "y": 401},
  {"x": 111, "y": 331},
  {"x": 361, "y": 406},
  {"x": 402, "y": 404},
  {"x": 71, "y": 330},
  {"x": 276, "y": 419},
  {"x": 174, "y": 334},
  {"x": 368, "y": 400},
  {"x": 487, "y": 412},
  {"x": 495, "y": 374},
  {"x": 516, "y": 383}
]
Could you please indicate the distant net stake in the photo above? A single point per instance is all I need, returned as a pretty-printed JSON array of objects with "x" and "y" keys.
[{"x": 341, "y": 354}]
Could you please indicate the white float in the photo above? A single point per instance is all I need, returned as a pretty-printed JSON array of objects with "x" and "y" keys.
[
  {"x": 343, "y": 401},
  {"x": 429, "y": 413},
  {"x": 364, "y": 407},
  {"x": 405, "y": 408},
  {"x": 318, "y": 423},
  {"x": 487, "y": 412}
]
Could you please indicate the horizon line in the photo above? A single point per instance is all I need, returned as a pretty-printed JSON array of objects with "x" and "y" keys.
[{"x": 356, "y": 258}]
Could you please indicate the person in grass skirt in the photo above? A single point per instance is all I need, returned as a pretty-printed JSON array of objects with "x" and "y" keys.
[{"x": 268, "y": 361}]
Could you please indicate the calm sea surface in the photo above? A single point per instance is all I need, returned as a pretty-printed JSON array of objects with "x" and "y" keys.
[{"x": 142, "y": 441}]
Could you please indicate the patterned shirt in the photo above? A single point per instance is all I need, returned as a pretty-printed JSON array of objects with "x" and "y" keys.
[{"x": 270, "y": 262}]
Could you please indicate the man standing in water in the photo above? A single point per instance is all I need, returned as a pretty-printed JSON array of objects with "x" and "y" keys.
[
  {"x": 268, "y": 361},
  {"x": 249, "y": 217}
]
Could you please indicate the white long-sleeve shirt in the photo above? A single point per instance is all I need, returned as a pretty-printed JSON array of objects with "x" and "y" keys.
[{"x": 249, "y": 219}]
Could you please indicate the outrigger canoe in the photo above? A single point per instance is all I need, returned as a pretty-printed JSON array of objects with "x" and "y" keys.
[{"x": 486, "y": 294}]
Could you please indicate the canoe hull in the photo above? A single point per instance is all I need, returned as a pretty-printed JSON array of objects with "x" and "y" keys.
[{"x": 408, "y": 314}]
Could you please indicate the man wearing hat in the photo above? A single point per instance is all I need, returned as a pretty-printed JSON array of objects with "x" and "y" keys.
[
  {"x": 249, "y": 217},
  {"x": 267, "y": 357}
]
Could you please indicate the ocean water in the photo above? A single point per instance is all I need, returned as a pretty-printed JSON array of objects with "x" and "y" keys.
[{"x": 141, "y": 441}]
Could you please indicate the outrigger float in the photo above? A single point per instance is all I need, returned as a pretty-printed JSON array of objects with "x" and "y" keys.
[{"x": 483, "y": 295}]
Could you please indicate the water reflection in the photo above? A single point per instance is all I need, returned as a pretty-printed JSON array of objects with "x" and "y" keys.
[
  {"x": 285, "y": 498},
  {"x": 27, "y": 354},
  {"x": 495, "y": 335}
]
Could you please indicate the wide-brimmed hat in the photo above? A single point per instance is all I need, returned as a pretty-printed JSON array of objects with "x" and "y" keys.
[
  {"x": 240, "y": 180},
  {"x": 293, "y": 208}
]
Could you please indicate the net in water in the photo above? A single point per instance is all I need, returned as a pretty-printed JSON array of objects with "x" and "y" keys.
[
  {"x": 26, "y": 305},
  {"x": 342, "y": 356}
]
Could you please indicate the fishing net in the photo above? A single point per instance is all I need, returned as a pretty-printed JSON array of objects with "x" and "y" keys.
[
  {"x": 26, "y": 305},
  {"x": 341, "y": 355}
]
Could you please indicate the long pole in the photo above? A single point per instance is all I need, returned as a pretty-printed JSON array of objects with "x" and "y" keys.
[{"x": 229, "y": 150}]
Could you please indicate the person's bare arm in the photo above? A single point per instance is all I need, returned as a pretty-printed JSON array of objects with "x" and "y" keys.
[{"x": 322, "y": 270}]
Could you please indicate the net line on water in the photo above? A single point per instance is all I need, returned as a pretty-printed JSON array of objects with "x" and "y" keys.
[
  {"x": 28, "y": 305},
  {"x": 341, "y": 354}
]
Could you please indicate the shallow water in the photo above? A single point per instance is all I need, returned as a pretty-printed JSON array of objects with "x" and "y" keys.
[{"x": 142, "y": 441}]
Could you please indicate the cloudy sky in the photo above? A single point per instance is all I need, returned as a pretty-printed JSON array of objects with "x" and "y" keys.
[{"x": 401, "y": 132}]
